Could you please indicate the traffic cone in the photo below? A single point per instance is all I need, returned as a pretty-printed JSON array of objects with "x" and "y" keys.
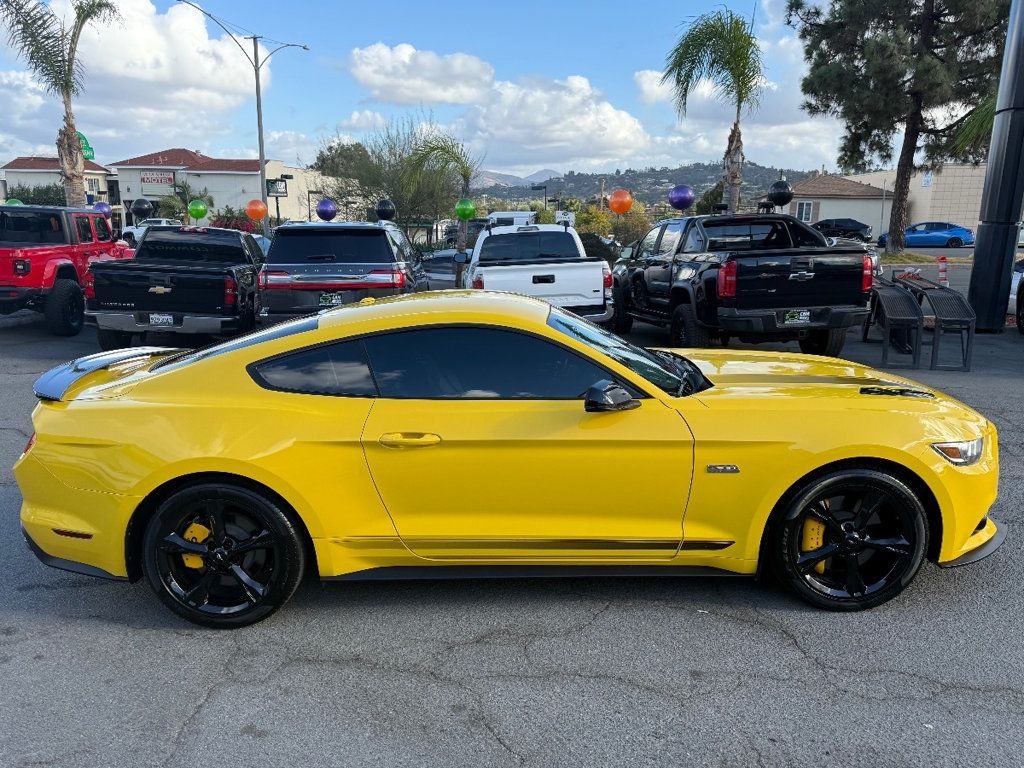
[{"x": 943, "y": 271}]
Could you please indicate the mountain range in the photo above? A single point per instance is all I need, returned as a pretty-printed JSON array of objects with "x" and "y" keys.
[{"x": 485, "y": 179}]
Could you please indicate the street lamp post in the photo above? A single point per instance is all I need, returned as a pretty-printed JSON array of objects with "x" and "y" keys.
[
  {"x": 545, "y": 188},
  {"x": 257, "y": 65}
]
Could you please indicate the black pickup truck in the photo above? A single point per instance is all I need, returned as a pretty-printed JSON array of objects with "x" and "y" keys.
[
  {"x": 195, "y": 280},
  {"x": 764, "y": 277}
]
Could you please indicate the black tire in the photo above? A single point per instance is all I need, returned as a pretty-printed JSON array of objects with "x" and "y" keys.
[
  {"x": 245, "y": 566},
  {"x": 638, "y": 294},
  {"x": 870, "y": 538},
  {"x": 621, "y": 321},
  {"x": 109, "y": 339},
  {"x": 955, "y": 242},
  {"x": 828, "y": 343},
  {"x": 1019, "y": 314},
  {"x": 684, "y": 329},
  {"x": 65, "y": 308}
]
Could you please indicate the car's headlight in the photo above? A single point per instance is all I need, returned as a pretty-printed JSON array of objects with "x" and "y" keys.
[{"x": 962, "y": 453}]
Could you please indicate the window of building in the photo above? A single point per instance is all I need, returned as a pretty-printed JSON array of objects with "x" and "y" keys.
[{"x": 803, "y": 211}]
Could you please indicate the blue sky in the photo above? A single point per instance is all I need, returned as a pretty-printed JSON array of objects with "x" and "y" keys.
[{"x": 528, "y": 84}]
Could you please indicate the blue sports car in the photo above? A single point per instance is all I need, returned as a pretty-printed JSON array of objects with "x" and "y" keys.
[{"x": 938, "y": 234}]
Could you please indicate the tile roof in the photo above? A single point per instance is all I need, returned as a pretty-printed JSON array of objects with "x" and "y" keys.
[
  {"x": 830, "y": 185},
  {"x": 171, "y": 158},
  {"x": 223, "y": 164},
  {"x": 45, "y": 164}
]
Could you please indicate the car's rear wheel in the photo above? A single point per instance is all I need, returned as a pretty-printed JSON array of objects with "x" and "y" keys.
[
  {"x": 65, "y": 308},
  {"x": 109, "y": 339},
  {"x": 222, "y": 556},
  {"x": 954, "y": 242},
  {"x": 622, "y": 321},
  {"x": 828, "y": 343},
  {"x": 685, "y": 330},
  {"x": 850, "y": 540}
]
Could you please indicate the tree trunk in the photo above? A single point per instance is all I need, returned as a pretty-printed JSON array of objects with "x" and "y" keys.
[
  {"x": 72, "y": 164},
  {"x": 732, "y": 165}
]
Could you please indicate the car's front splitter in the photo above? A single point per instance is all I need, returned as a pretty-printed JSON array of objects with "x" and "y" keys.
[{"x": 982, "y": 551}]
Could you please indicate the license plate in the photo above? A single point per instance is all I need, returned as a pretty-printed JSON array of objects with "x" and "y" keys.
[
  {"x": 331, "y": 299},
  {"x": 798, "y": 316},
  {"x": 163, "y": 320}
]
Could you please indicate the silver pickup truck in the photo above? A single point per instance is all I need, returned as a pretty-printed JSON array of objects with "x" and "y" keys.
[{"x": 546, "y": 261}]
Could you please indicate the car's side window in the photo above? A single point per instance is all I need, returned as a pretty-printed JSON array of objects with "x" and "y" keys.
[
  {"x": 478, "y": 363},
  {"x": 102, "y": 230},
  {"x": 333, "y": 369},
  {"x": 84, "y": 229},
  {"x": 670, "y": 239},
  {"x": 694, "y": 241},
  {"x": 646, "y": 247}
]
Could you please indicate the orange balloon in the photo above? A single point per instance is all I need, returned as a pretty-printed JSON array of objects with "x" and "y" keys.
[
  {"x": 620, "y": 201},
  {"x": 256, "y": 210}
]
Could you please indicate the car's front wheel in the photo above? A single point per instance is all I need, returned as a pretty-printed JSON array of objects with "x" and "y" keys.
[
  {"x": 850, "y": 540},
  {"x": 222, "y": 556}
]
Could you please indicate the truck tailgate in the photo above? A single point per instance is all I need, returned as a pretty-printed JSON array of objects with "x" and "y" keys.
[
  {"x": 805, "y": 278},
  {"x": 151, "y": 287},
  {"x": 569, "y": 284}
]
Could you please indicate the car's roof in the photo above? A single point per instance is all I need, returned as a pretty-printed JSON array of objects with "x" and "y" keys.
[
  {"x": 334, "y": 225},
  {"x": 470, "y": 305},
  {"x": 48, "y": 208},
  {"x": 733, "y": 216},
  {"x": 512, "y": 229}
]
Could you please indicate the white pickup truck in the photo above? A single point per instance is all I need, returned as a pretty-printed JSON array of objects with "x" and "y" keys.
[
  {"x": 546, "y": 261},
  {"x": 132, "y": 235}
]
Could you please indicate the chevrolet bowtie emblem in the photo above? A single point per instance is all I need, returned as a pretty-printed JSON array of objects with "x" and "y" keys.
[{"x": 161, "y": 289}]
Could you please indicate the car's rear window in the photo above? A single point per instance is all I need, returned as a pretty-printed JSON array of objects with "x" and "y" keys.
[
  {"x": 746, "y": 236},
  {"x": 166, "y": 245},
  {"x": 31, "y": 227},
  {"x": 528, "y": 246},
  {"x": 344, "y": 246}
]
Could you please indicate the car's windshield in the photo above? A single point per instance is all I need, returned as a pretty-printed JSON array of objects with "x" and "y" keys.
[
  {"x": 298, "y": 245},
  {"x": 528, "y": 246},
  {"x": 661, "y": 371}
]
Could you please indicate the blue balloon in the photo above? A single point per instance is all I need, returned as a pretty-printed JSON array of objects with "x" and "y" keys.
[
  {"x": 327, "y": 209},
  {"x": 103, "y": 208},
  {"x": 680, "y": 197}
]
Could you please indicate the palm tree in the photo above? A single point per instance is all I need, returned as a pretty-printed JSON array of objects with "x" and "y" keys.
[
  {"x": 446, "y": 153},
  {"x": 175, "y": 205},
  {"x": 720, "y": 47},
  {"x": 50, "y": 48}
]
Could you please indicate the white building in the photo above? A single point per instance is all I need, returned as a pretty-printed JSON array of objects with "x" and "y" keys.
[
  {"x": 951, "y": 193},
  {"x": 231, "y": 182},
  {"x": 43, "y": 171},
  {"x": 827, "y": 196}
]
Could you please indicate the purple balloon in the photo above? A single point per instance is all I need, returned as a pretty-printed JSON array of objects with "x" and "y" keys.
[
  {"x": 103, "y": 208},
  {"x": 680, "y": 197},
  {"x": 327, "y": 209}
]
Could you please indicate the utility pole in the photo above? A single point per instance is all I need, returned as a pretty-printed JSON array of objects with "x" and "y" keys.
[
  {"x": 257, "y": 65},
  {"x": 600, "y": 201}
]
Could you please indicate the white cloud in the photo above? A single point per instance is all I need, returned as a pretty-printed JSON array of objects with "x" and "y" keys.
[
  {"x": 542, "y": 121},
  {"x": 405, "y": 75},
  {"x": 363, "y": 120},
  {"x": 652, "y": 90}
]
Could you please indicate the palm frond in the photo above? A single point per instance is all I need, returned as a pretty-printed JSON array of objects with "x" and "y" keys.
[
  {"x": 86, "y": 11},
  {"x": 721, "y": 48},
  {"x": 37, "y": 36},
  {"x": 445, "y": 151}
]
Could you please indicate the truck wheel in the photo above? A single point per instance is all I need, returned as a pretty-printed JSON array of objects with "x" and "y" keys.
[
  {"x": 827, "y": 343},
  {"x": 109, "y": 339},
  {"x": 65, "y": 308},
  {"x": 1019, "y": 314},
  {"x": 621, "y": 321},
  {"x": 684, "y": 329}
]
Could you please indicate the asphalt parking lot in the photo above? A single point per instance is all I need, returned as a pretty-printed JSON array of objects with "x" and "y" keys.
[{"x": 506, "y": 673}]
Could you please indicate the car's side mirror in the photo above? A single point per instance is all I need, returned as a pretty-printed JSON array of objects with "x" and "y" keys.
[
  {"x": 606, "y": 395},
  {"x": 461, "y": 257}
]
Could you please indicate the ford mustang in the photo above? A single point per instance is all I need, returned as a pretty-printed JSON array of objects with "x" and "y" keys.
[{"x": 460, "y": 433}]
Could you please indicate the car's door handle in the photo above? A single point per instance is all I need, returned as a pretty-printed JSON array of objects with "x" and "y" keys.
[{"x": 408, "y": 439}]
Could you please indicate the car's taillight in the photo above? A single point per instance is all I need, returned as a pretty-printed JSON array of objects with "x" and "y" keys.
[
  {"x": 478, "y": 281},
  {"x": 230, "y": 292},
  {"x": 727, "y": 280},
  {"x": 868, "y": 275},
  {"x": 269, "y": 280},
  {"x": 607, "y": 276},
  {"x": 30, "y": 443},
  {"x": 89, "y": 285},
  {"x": 22, "y": 266},
  {"x": 397, "y": 278}
]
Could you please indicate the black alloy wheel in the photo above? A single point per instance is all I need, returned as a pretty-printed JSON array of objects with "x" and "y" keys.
[
  {"x": 954, "y": 242},
  {"x": 851, "y": 540},
  {"x": 222, "y": 556},
  {"x": 639, "y": 294}
]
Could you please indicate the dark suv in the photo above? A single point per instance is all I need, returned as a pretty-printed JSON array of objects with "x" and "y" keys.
[
  {"x": 313, "y": 266},
  {"x": 850, "y": 228}
]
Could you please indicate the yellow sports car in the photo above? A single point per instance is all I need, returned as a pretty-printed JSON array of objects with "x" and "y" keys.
[{"x": 474, "y": 433}]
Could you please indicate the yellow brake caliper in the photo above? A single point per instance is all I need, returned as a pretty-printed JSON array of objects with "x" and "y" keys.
[
  {"x": 813, "y": 537},
  {"x": 195, "y": 533}
]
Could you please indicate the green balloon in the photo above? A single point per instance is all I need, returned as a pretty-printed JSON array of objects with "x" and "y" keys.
[
  {"x": 465, "y": 209},
  {"x": 14, "y": 201},
  {"x": 197, "y": 209}
]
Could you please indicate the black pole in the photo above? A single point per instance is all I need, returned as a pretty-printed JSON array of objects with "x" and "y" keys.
[
  {"x": 1001, "y": 201},
  {"x": 277, "y": 207}
]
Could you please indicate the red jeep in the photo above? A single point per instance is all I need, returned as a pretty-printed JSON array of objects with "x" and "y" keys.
[{"x": 45, "y": 252}]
